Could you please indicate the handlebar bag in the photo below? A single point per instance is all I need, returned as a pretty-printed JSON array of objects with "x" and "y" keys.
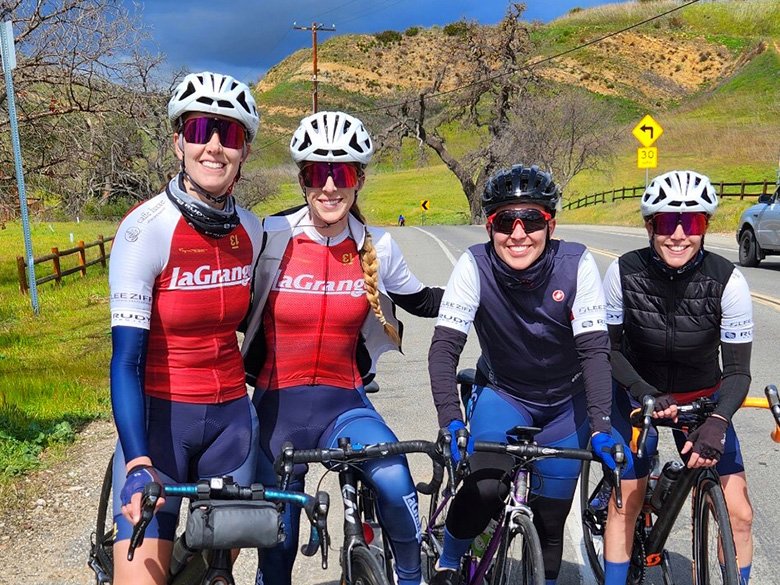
[{"x": 226, "y": 524}]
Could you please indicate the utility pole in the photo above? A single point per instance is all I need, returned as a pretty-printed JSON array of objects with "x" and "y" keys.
[{"x": 314, "y": 28}]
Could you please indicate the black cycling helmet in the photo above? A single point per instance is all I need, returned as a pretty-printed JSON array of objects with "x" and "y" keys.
[{"x": 521, "y": 184}]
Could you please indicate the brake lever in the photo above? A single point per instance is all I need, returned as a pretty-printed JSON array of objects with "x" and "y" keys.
[
  {"x": 151, "y": 494},
  {"x": 774, "y": 407},
  {"x": 619, "y": 455},
  {"x": 648, "y": 406}
]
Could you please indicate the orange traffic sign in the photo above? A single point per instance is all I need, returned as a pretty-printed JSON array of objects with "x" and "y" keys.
[{"x": 647, "y": 131}]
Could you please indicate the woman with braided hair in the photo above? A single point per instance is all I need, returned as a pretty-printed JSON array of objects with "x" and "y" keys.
[{"x": 322, "y": 313}]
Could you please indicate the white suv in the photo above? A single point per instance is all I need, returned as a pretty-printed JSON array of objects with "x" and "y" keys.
[{"x": 758, "y": 232}]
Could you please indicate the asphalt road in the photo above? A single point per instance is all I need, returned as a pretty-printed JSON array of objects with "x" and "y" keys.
[{"x": 405, "y": 401}]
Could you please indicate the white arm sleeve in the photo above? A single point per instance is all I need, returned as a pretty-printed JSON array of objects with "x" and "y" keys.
[
  {"x": 140, "y": 252},
  {"x": 736, "y": 325},
  {"x": 588, "y": 310},
  {"x": 461, "y": 297},
  {"x": 394, "y": 271},
  {"x": 613, "y": 294}
]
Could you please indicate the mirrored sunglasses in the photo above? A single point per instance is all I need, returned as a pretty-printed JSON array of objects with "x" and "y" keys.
[
  {"x": 315, "y": 174},
  {"x": 531, "y": 220},
  {"x": 693, "y": 223},
  {"x": 200, "y": 130}
]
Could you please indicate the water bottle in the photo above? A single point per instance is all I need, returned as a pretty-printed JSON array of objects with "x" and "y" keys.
[
  {"x": 666, "y": 480},
  {"x": 652, "y": 479},
  {"x": 480, "y": 544}
]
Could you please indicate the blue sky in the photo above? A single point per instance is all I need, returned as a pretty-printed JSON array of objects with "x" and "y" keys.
[{"x": 246, "y": 37}]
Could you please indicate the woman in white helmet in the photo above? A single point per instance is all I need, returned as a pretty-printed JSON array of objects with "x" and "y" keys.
[
  {"x": 322, "y": 312},
  {"x": 180, "y": 282},
  {"x": 672, "y": 308}
]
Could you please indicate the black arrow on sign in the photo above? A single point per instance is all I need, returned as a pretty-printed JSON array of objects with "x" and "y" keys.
[
  {"x": 425, "y": 205},
  {"x": 646, "y": 128}
]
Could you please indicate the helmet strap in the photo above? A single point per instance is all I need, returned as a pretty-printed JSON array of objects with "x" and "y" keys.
[{"x": 201, "y": 191}]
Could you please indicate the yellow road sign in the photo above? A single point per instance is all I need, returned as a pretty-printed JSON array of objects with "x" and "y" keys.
[
  {"x": 647, "y": 158},
  {"x": 647, "y": 131},
  {"x": 425, "y": 204}
]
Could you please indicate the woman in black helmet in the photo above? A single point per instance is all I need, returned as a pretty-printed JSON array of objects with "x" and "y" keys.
[{"x": 538, "y": 308}]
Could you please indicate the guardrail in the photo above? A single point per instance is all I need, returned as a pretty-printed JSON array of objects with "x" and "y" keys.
[
  {"x": 57, "y": 274},
  {"x": 724, "y": 189}
]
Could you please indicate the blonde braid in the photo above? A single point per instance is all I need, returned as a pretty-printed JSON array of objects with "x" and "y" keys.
[{"x": 370, "y": 264}]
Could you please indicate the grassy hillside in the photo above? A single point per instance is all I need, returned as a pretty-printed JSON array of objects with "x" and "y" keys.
[{"x": 707, "y": 73}]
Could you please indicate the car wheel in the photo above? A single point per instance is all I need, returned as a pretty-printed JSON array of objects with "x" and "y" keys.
[{"x": 749, "y": 251}]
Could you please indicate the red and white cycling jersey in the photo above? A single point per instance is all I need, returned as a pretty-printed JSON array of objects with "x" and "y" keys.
[
  {"x": 190, "y": 291},
  {"x": 313, "y": 316}
]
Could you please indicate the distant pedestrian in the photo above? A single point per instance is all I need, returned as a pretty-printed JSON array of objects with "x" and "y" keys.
[{"x": 401, "y": 221}]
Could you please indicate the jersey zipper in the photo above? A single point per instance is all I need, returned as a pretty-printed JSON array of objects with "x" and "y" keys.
[{"x": 321, "y": 324}]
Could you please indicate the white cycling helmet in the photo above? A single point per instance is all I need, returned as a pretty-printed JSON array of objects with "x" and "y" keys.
[
  {"x": 212, "y": 93},
  {"x": 679, "y": 191},
  {"x": 331, "y": 137}
]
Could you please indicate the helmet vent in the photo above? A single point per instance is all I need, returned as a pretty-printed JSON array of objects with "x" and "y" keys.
[
  {"x": 355, "y": 144},
  {"x": 187, "y": 92}
]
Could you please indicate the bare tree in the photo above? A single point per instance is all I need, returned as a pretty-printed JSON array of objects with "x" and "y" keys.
[
  {"x": 565, "y": 131},
  {"x": 257, "y": 185},
  {"x": 515, "y": 115},
  {"x": 493, "y": 82},
  {"x": 86, "y": 100}
]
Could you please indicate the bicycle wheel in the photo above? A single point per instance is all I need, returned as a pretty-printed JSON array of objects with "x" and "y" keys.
[
  {"x": 101, "y": 554},
  {"x": 714, "y": 553},
  {"x": 519, "y": 557},
  {"x": 594, "y": 519},
  {"x": 364, "y": 568}
]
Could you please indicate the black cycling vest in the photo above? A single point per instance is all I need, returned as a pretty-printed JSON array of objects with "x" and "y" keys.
[
  {"x": 526, "y": 336},
  {"x": 671, "y": 326}
]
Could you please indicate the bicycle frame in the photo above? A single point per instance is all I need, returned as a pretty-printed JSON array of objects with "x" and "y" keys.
[
  {"x": 516, "y": 504},
  {"x": 357, "y": 497},
  {"x": 666, "y": 517},
  {"x": 524, "y": 449}
]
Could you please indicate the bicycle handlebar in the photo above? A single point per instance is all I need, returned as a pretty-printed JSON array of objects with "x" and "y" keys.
[
  {"x": 355, "y": 453},
  {"x": 224, "y": 488},
  {"x": 528, "y": 451},
  {"x": 694, "y": 414}
]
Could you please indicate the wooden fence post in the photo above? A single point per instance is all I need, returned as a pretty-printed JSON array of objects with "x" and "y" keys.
[
  {"x": 22, "y": 274},
  {"x": 742, "y": 191},
  {"x": 82, "y": 258},
  {"x": 102, "y": 247},
  {"x": 56, "y": 262}
]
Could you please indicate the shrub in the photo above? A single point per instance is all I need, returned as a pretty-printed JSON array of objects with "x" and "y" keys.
[
  {"x": 388, "y": 36},
  {"x": 457, "y": 29},
  {"x": 412, "y": 31}
]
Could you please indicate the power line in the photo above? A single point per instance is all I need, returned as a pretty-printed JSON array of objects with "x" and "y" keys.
[{"x": 528, "y": 65}]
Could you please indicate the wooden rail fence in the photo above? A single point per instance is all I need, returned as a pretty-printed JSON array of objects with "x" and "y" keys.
[
  {"x": 738, "y": 189},
  {"x": 57, "y": 274}
]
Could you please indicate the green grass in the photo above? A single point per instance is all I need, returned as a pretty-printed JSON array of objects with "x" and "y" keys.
[{"x": 54, "y": 365}]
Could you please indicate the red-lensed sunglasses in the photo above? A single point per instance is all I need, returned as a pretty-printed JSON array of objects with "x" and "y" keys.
[
  {"x": 694, "y": 223},
  {"x": 531, "y": 220},
  {"x": 315, "y": 174},
  {"x": 200, "y": 130}
]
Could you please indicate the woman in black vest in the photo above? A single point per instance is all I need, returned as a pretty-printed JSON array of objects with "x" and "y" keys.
[{"x": 680, "y": 320}]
